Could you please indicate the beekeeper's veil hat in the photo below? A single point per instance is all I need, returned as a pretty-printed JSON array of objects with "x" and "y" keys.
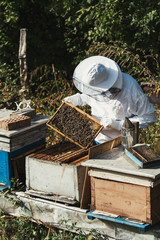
[{"x": 96, "y": 75}]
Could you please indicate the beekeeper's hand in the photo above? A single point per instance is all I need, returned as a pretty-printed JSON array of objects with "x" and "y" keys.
[
  {"x": 111, "y": 123},
  {"x": 74, "y": 99}
]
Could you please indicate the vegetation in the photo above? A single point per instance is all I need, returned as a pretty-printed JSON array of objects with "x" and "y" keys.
[
  {"x": 68, "y": 28},
  {"x": 24, "y": 228}
]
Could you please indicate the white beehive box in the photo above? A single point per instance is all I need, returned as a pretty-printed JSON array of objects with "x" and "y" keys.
[
  {"x": 59, "y": 176},
  {"x": 49, "y": 177},
  {"x": 56, "y": 171}
]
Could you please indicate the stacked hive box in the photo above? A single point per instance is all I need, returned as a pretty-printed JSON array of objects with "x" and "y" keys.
[{"x": 19, "y": 136}]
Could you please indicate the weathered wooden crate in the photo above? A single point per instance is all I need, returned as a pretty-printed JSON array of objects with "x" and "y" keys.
[
  {"x": 16, "y": 144},
  {"x": 15, "y": 122},
  {"x": 142, "y": 155},
  {"x": 118, "y": 187},
  {"x": 128, "y": 200}
]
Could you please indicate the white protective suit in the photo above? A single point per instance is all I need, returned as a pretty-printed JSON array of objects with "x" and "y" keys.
[{"x": 111, "y": 110}]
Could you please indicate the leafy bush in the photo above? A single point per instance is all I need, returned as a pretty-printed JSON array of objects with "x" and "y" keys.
[{"x": 137, "y": 64}]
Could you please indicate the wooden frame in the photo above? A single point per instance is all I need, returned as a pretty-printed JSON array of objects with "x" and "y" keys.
[{"x": 83, "y": 114}]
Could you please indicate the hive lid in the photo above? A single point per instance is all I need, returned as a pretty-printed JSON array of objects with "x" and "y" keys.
[
  {"x": 143, "y": 155},
  {"x": 74, "y": 124}
]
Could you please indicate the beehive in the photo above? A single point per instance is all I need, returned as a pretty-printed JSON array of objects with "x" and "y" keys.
[
  {"x": 117, "y": 187},
  {"x": 58, "y": 172}
]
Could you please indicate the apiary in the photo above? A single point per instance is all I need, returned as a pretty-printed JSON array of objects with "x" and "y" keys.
[
  {"x": 119, "y": 188},
  {"x": 59, "y": 172}
]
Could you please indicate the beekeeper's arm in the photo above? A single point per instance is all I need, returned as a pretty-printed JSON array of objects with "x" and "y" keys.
[
  {"x": 138, "y": 109},
  {"x": 142, "y": 110},
  {"x": 77, "y": 99},
  {"x": 82, "y": 99}
]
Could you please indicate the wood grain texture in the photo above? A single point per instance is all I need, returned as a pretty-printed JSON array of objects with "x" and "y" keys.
[
  {"x": 93, "y": 197},
  {"x": 15, "y": 122},
  {"x": 124, "y": 199},
  {"x": 86, "y": 191},
  {"x": 103, "y": 147}
]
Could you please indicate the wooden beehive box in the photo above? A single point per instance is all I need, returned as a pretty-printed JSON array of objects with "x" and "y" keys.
[
  {"x": 57, "y": 173},
  {"x": 118, "y": 187}
]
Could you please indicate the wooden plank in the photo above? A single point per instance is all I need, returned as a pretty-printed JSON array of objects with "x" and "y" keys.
[
  {"x": 155, "y": 191},
  {"x": 79, "y": 161},
  {"x": 52, "y": 197},
  {"x": 5, "y": 147},
  {"x": 86, "y": 191},
  {"x": 103, "y": 147},
  {"x": 121, "y": 198},
  {"x": 148, "y": 205},
  {"x": 93, "y": 197},
  {"x": 80, "y": 174},
  {"x": 5, "y": 139},
  {"x": 22, "y": 142},
  {"x": 121, "y": 177},
  {"x": 14, "y": 145},
  {"x": 155, "y": 210},
  {"x": 51, "y": 177},
  {"x": 14, "y": 164},
  {"x": 29, "y": 133},
  {"x": 29, "y": 137}
]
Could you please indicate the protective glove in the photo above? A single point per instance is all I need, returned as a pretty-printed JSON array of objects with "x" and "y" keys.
[
  {"x": 74, "y": 99},
  {"x": 111, "y": 123}
]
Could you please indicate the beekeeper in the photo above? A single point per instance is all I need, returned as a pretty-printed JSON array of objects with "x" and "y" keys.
[{"x": 112, "y": 96}]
